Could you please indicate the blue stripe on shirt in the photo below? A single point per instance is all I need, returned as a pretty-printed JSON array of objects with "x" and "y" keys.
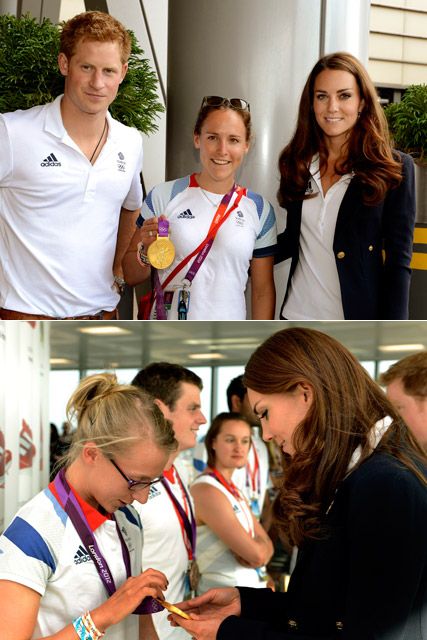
[{"x": 26, "y": 538}]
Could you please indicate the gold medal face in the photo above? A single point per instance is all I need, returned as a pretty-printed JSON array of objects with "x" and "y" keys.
[
  {"x": 173, "y": 609},
  {"x": 161, "y": 253}
]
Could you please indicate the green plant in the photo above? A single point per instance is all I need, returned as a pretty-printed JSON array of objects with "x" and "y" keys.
[
  {"x": 408, "y": 122},
  {"x": 29, "y": 73}
]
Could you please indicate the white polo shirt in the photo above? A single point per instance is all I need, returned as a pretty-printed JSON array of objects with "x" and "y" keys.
[
  {"x": 218, "y": 289},
  {"x": 59, "y": 214},
  {"x": 315, "y": 292},
  {"x": 42, "y": 550},
  {"x": 164, "y": 549}
]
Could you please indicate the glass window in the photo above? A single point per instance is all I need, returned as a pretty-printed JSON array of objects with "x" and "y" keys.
[{"x": 61, "y": 385}]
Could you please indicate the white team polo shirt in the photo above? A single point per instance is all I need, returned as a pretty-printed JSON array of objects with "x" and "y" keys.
[
  {"x": 218, "y": 289},
  {"x": 164, "y": 549},
  {"x": 315, "y": 292},
  {"x": 59, "y": 214},
  {"x": 42, "y": 550}
]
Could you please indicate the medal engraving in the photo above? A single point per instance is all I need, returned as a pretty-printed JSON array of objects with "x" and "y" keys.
[{"x": 161, "y": 253}]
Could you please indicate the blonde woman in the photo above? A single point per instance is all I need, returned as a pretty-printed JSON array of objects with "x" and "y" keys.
[{"x": 70, "y": 561}]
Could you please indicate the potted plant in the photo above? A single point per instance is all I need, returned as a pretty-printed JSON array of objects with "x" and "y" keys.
[
  {"x": 408, "y": 126},
  {"x": 29, "y": 73}
]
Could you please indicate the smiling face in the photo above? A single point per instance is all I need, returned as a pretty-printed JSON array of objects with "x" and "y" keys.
[
  {"x": 223, "y": 145},
  {"x": 92, "y": 76},
  {"x": 186, "y": 415},
  {"x": 231, "y": 445},
  {"x": 413, "y": 409},
  {"x": 336, "y": 103},
  {"x": 281, "y": 413}
]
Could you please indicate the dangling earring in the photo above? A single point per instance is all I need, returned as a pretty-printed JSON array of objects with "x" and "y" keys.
[{"x": 359, "y": 113}]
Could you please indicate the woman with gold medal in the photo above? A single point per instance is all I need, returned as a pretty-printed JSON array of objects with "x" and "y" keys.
[{"x": 203, "y": 233}]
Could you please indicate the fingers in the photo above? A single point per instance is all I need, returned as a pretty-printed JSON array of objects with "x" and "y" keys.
[{"x": 149, "y": 231}]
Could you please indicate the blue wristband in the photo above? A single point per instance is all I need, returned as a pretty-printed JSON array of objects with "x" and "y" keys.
[{"x": 81, "y": 630}]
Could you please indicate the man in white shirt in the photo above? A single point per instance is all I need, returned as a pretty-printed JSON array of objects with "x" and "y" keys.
[
  {"x": 70, "y": 187},
  {"x": 168, "y": 517}
]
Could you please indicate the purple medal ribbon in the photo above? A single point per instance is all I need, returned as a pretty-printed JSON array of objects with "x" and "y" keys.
[
  {"x": 190, "y": 527},
  {"x": 163, "y": 231},
  {"x": 81, "y": 525}
]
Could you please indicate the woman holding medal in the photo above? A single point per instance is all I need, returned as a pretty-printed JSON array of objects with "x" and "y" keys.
[
  {"x": 231, "y": 543},
  {"x": 219, "y": 230},
  {"x": 354, "y": 491},
  {"x": 70, "y": 561}
]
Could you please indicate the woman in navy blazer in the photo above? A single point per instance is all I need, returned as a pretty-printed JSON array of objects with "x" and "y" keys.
[
  {"x": 361, "y": 269},
  {"x": 353, "y": 500}
]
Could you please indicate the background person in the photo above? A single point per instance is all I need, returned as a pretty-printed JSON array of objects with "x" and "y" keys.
[
  {"x": 168, "y": 517},
  {"x": 350, "y": 202},
  {"x": 246, "y": 238},
  {"x": 231, "y": 542},
  {"x": 354, "y": 491},
  {"x": 69, "y": 200},
  {"x": 253, "y": 478},
  {"x": 406, "y": 382},
  {"x": 79, "y": 541}
]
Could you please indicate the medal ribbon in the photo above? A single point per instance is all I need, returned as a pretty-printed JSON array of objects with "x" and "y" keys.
[
  {"x": 254, "y": 475},
  {"x": 81, "y": 525},
  {"x": 201, "y": 251},
  {"x": 188, "y": 525}
]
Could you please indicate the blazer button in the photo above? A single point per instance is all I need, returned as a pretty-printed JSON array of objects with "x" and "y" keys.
[
  {"x": 341, "y": 254},
  {"x": 371, "y": 247},
  {"x": 292, "y": 625}
]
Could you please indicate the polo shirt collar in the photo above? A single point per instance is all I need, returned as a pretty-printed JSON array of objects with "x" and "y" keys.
[
  {"x": 94, "y": 517},
  {"x": 55, "y": 126}
]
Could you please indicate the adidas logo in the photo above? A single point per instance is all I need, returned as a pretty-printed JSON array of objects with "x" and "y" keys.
[
  {"x": 186, "y": 214},
  {"x": 154, "y": 492},
  {"x": 50, "y": 161},
  {"x": 81, "y": 556}
]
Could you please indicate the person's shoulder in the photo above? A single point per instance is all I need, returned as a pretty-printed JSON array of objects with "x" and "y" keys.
[
  {"x": 25, "y": 114},
  {"x": 261, "y": 203},
  {"x": 382, "y": 470},
  {"x": 164, "y": 192},
  {"x": 406, "y": 159}
]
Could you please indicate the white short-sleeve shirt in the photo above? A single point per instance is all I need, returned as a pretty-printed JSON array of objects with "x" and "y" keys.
[
  {"x": 59, "y": 214},
  {"x": 218, "y": 289},
  {"x": 42, "y": 550}
]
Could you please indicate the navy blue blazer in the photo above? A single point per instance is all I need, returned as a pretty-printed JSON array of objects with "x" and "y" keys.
[
  {"x": 372, "y": 247},
  {"x": 366, "y": 580}
]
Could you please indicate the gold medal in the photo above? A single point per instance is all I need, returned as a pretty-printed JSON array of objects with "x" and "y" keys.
[
  {"x": 161, "y": 253},
  {"x": 173, "y": 609}
]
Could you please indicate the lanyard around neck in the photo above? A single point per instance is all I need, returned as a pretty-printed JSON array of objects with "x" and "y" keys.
[
  {"x": 188, "y": 524},
  {"x": 75, "y": 513}
]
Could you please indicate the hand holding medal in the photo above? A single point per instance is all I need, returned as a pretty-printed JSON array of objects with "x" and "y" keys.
[{"x": 161, "y": 252}]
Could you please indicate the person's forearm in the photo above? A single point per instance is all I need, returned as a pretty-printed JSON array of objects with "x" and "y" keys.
[
  {"x": 124, "y": 236},
  {"x": 263, "y": 304}
]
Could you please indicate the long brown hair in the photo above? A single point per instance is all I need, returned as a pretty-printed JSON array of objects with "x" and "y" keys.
[
  {"x": 368, "y": 153},
  {"x": 346, "y": 405}
]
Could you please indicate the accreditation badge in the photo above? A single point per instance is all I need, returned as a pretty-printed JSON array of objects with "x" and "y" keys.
[{"x": 161, "y": 252}]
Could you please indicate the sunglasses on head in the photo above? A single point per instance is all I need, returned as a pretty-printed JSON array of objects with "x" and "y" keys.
[{"x": 218, "y": 101}]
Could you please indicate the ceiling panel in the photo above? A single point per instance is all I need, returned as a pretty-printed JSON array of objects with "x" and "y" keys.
[{"x": 142, "y": 341}]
